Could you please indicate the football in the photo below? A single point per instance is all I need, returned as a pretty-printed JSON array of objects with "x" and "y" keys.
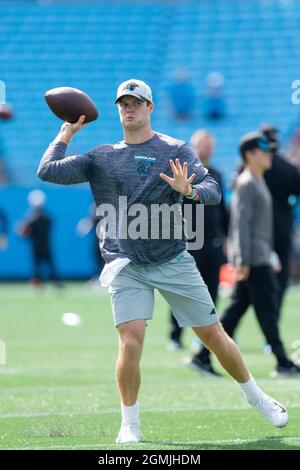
[
  {"x": 6, "y": 111},
  {"x": 70, "y": 103}
]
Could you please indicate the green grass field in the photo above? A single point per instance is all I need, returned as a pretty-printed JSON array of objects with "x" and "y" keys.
[{"x": 58, "y": 387}]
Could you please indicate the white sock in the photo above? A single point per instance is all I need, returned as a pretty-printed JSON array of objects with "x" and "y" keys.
[
  {"x": 130, "y": 414},
  {"x": 251, "y": 390}
]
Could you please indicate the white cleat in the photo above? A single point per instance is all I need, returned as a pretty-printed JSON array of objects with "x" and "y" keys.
[
  {"x": 129, "y": 434},
  {"x": 272, "y": 410}
]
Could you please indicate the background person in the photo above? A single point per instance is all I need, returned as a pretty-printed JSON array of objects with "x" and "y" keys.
[
  {"x": 283, "y": 181},
  {"x": 37, "y": 228},
  {"x": 251, "y": 244},
  {"x": 216, "y": 218}
]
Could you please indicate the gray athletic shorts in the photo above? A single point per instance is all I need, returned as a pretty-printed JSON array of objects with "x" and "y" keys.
[{"x": 178, "y": 281}]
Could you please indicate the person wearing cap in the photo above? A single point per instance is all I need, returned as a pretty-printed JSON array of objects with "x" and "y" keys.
[
  {"x": 148, "y": 168},
  {"x": 283, "y": 181},
  {"x": 250, "y": 250}
]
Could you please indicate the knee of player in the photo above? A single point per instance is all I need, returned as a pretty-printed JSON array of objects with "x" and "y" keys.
[
  {"x": 130, "y": 346},
  {"x": 213, "y": 335}
]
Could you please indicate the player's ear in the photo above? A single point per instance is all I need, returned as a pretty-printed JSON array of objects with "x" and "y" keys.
[{"x": 150, "y": 106}]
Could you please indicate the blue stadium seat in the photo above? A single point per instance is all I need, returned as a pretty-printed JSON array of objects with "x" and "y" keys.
[{"x": 96, "y": 45}]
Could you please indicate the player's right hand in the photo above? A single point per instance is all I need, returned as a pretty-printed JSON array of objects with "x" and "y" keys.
[{"x": 68, "y": 130}]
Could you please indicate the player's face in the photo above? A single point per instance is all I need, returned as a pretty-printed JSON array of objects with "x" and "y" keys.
[
  {"x": 134, "y": 114},
  {"x": 205, "y": 147},
  {"x": 264, "y": 159}
]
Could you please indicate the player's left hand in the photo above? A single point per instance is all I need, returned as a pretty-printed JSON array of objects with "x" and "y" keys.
[{"x": 180, "y": 183}]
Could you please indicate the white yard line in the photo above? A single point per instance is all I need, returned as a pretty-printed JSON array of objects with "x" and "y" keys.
[
  {"x": 116, "y": 410},
  {"x": 289, "y": 382}
]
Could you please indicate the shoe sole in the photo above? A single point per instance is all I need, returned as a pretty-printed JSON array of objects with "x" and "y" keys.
[
  {"x": 284, "y": 415},
  {"x": 283, "y": 425},
  {"x": 117, "y": 441},
  {"x": 127, "y": 443}
]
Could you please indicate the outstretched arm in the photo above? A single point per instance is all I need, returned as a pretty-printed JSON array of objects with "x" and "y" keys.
[{"x": 56, "y": 168}]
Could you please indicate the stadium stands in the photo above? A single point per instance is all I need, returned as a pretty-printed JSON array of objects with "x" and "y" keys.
[{"x": 94, "y": 46}]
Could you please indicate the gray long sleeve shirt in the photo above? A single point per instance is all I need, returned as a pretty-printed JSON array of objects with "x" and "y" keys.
[
  {"x": 251, "y": 222},
  {"x": 132, "y": 171}
]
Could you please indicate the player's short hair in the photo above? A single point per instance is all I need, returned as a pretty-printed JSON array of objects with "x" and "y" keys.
[{"x": 199, "y": 135}]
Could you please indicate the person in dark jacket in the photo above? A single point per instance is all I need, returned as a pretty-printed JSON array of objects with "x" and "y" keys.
[
  {"x": 251, "y": 245},
  {"x": 283, "y": 181},
  {"x": 37, "y": 227}
]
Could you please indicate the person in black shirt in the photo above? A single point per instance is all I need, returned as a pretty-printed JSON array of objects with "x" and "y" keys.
[
  {"x": 37, "y": 227},
  {"x": 283, "y": 181},
  {"x": 216, "y": 218}
]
